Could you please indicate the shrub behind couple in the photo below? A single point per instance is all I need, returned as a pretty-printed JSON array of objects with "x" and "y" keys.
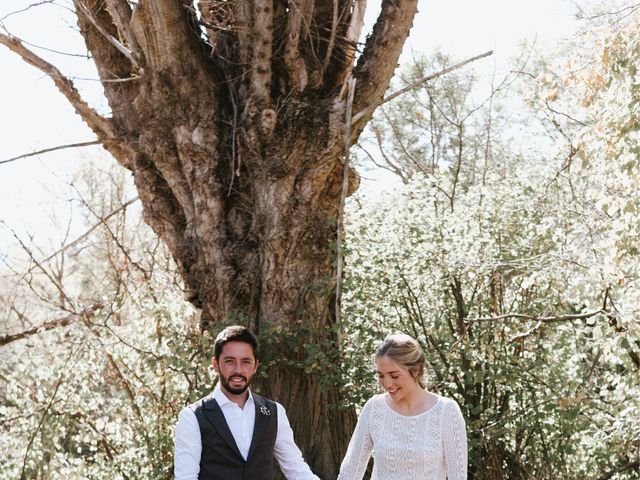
[{"x": 236, "y": 434}]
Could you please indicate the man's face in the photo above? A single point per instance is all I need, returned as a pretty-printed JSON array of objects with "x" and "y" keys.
[{"x": 236, "y": 367}]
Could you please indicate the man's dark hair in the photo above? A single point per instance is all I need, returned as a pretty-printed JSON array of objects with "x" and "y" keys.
[{"x": 235, "y": 333}]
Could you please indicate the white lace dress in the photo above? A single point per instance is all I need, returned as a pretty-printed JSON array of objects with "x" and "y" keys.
[{"x": 429, "y": 446}]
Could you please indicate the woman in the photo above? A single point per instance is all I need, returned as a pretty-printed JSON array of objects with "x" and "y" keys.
[{"x": 414, "y": 434}]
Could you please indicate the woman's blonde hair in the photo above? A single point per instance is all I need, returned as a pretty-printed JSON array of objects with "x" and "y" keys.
[{"x": 406, "y": 351}]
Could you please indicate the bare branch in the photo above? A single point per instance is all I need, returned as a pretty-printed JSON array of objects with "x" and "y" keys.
[
  {"x": 550, "y": 319},
  {"x": 566, "y": 115},
  {"x": 58, "y": 52},
  {"x": 100, "y": 125},
  {"x": 120, "y": 12},
  {"x": 86, "y": 313},
  {"x": 29, "y": 7},
  {"x": 528, "y": 333},
  {"x": 380, "y": 56},
  {"x": 51, "y": 149},
  {"x": 110, "y": 38},
  {"x": 88, "y": 232},
  {"x": 369, "y": 110}
]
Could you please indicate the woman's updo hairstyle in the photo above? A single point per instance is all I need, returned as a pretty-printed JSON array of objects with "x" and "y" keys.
[{"x": 406, "y": 351}]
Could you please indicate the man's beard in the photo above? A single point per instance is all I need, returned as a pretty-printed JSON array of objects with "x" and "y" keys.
[{"x": 233, "y": 390}]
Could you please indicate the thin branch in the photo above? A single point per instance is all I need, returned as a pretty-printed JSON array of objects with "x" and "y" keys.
[
  {"x": 528, "y": 333},
  {"x": 343, "y": 196},
  {"x": 579, "y": 122},
  {"x": 620, "y": 469},
  {"x": 531, "y": 318},
  {"x": 50, "y": 149},
  {"x": 627, "y": 10},
  {"x": 56, "y": 283},
  {"x": 58, "y": 52},
  {"x": 110, "y": 38},
  {"x": 113, "y": 235},
  {"x": 135, "y": 78},
  {"x": 367, "y": 111},
  {"x": 29, "y": 7},
  {"x": 87, "y": 313},
  {"x": 121, "y": 13},
  {"x": 88, "y": 232},
  {"x": 44, "y": 413}
]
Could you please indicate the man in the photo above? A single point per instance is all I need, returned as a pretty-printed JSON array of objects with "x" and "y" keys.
[{"x": 234, "y": 433}]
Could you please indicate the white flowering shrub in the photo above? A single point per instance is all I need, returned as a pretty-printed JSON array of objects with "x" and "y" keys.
[
  {"x": 517, "y": 270},
  {"x": 99, "y": 397}
]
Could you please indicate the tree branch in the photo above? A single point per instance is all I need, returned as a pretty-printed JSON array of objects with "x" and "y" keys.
[
  {"x": 100, "y": 125},
  {"x": 297, "y": 19},
  {"x": 51, "y": 149},
  {"x": 87, "y": 313},
  {"x": 380, "y": 56},
  {"x": 110, "y": 38},
  {"x": 550, "y": 319},
  {"x": 29, "y": 7},
  {"x": 620, "y": 469},
  {"x": 120, "y": 12},
  {"x": 164, "y": 34},
  {"x": 370, "y": 109},
  {"x": 88, "y": 232}
]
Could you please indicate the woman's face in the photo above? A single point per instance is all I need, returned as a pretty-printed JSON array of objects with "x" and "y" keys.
[{"x": 396, "y": 379}]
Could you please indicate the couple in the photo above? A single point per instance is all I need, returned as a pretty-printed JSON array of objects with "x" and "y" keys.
[{"x": 236, "y": 434}]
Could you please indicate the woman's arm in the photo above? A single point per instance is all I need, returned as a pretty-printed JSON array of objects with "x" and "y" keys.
[
  {"x": 360, "y": 448},
  {"x": 455, "y": 442}
]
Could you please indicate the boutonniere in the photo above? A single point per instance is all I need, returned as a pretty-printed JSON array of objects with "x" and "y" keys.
[{"x": 265, "y": 411}]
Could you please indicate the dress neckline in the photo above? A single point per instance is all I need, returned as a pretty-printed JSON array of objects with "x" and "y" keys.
[{"x": 432, "y": 407}]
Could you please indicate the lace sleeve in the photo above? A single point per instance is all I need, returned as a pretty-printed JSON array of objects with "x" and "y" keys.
[
  {"x": 455, "y": 442},
  {"x": 358, "y": 453}
]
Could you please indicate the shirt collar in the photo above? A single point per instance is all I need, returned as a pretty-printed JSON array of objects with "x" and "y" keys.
[{"x": 222, "y": 399}]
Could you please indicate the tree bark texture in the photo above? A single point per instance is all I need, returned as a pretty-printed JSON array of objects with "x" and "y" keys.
[{"x": 230, "y": 114}]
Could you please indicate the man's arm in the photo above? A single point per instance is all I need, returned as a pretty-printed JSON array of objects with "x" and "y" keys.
[
  {"x": 287, "y": 453},
  {"x": 188, "y": 447}
]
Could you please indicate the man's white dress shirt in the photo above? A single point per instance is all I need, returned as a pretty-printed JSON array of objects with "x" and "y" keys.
[{"x": 188, "y": 443}]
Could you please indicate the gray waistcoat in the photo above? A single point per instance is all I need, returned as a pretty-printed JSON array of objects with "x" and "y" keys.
[{"x": 221, "y": 459}]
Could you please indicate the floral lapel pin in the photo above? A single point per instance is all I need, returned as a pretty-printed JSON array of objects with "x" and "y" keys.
[{"x": 265, "y": 411}]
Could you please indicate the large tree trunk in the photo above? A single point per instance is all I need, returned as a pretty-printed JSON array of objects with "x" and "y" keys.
[{"x": 232, "y": 122}]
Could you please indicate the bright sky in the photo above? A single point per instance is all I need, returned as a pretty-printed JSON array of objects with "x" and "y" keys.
[{"x": 33, "y": 115}]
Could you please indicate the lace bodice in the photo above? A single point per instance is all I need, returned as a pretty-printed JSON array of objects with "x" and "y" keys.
[{"x": 429, "y": 446}]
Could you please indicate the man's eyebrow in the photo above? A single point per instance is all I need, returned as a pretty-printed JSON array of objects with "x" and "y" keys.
[{"x": 392, "y": 371}]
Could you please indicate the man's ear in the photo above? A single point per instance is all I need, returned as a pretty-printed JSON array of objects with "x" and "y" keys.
[
  {"x": 257, "y": 365},
  {"x": 214, "y": 364}
]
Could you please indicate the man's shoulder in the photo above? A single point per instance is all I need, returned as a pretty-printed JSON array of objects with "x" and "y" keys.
[
  {"x": 264, "y": 401},
  {"x": 202, "y": 403}
]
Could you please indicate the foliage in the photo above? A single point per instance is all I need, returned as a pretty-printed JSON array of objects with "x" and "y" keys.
[
  {"x": 522, "y": 288},
  {"x": 99, "y": 398}
]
